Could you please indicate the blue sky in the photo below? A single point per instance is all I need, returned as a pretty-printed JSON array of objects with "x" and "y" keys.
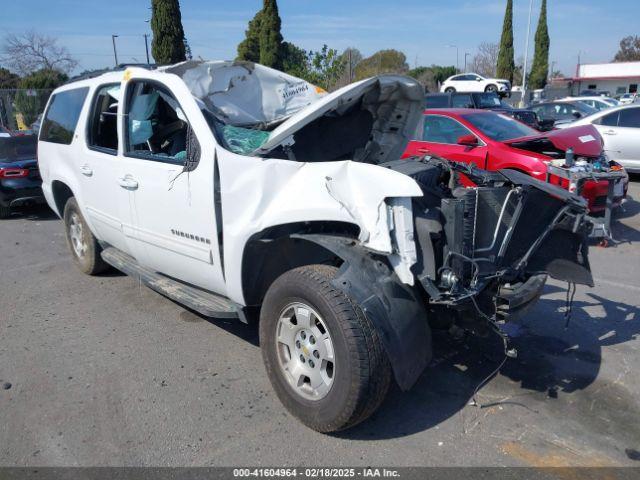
[{"x": 422, "y": 29}]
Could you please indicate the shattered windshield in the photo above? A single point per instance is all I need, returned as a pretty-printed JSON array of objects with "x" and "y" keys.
[
  {"x": 499, "y": 127},
  {"x": 242, "y": 141}
]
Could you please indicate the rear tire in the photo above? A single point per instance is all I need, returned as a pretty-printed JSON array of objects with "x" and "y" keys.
[
  {"x": 360, "y": 373},
  {"x": 84, "y": 247},
  {"x": 5, "y": 212},
  {"x": 450, "y": 90}
]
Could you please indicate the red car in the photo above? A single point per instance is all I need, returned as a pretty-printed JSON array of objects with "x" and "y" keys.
[{"x": 493, "y": 141}]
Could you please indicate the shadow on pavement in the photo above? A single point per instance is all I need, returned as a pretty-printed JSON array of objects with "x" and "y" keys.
[
  {"x": 36, "y": 213},
  {"x": 622, "y": 232},
  {"x": 551, "y": 363}
]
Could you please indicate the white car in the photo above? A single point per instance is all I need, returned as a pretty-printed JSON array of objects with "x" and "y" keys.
[
  {"x": 628, "y": 98},
  {"x": 599, "y": 103},
  {"x": 472, "y": 82},
  {"x": 620, "y": 130},
  {"x": 243, "y": 192}
]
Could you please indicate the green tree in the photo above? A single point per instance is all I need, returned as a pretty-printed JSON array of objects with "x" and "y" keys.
[
  {"x": 384, "y": 61},
  {"x": 629, "y": 50},
  {"x": 249, "y": 48},
  {"x": 270, "y": 35},
  {"x": 540, "y": 67},
  {"x": 295, "y": 60},
  {"x": 432, "y": 77},
  {"x": 168, "y": 35},
  {"x": 35, "y": 90},
  {"x": 8, "y": 79},
  {"x": 187, "y": 50},
  {"x": 506, "y": 63},
  {"x": 326, "y": 67}
]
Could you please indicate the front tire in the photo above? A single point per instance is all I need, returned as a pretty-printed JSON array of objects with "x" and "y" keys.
[
  {"x": 84, "y": 247},
  {"x": 491, "y": 88},
  {"x": 450, "y": 90},
  {"x": 323, "y": 356}
]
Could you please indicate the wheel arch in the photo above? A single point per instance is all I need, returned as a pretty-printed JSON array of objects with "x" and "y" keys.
[
  {"x": 395, "y": 309},
  {"x": 276, "y": 250},
  {"x": 61, "y": 194}
]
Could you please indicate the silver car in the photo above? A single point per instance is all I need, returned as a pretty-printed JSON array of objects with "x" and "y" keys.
[{"x": 620, "y": 129}]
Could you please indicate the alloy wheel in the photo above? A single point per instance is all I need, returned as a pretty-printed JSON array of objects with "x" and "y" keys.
[{"x": 305, "y": 351}]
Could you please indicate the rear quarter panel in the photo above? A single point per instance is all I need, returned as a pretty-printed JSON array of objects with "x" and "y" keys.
[{"x": 58, "y": 162}]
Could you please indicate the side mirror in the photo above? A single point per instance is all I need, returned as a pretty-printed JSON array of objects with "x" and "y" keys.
[
  {"x": 478, "y": 79},
  {"x": 577, "y": 114},
  {"x": 192, "y": 151},
  {"x": 468, "y": 140}
]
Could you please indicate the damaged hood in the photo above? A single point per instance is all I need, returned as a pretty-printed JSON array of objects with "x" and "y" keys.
[
  {"x": 585, "y": 141},
  {"x": 246, "y": 94},
  {"x": 392, "y": 103}
]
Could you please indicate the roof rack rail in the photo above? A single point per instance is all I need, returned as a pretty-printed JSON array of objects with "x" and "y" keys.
[{"x": 121, "y": 67}]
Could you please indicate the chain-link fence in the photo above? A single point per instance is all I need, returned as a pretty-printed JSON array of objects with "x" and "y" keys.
[{"x": 21, "y": 109}]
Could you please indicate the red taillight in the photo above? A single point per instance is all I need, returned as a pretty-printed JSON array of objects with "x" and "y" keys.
[{"x": 14, "y": 172}]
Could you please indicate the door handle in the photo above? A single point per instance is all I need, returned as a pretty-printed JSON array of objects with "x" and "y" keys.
[
  {"x": 610, "y": 132},
  {"x": 424, "y": 150},
  {"x": 86, "y": 170},
  {"x": 128, "y": 182}
]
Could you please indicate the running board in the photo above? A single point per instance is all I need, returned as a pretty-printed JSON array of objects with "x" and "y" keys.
[{"x": 205, "y": 303}]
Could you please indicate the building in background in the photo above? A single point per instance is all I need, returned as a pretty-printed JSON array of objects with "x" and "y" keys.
[{"x": 615, "y": 78}]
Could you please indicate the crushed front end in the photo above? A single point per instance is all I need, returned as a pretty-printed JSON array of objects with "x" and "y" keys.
[{"x": 484, "y": 253}]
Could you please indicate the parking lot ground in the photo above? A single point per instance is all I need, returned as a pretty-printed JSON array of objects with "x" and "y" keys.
[{"x": 103, "y": 371}]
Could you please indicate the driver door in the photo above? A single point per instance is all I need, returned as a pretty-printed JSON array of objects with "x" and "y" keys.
[
  {"x": 440, "y": 137},
  {"x": 174, "y": 219}
]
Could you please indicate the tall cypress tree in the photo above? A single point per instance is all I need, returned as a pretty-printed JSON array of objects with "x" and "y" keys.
[
  {"x": 167, "y": 46},
  {"x": 271, "y": 48},
  {"x": 540, "y": 67},
  {"x": 249, "y": 48},
  {"x": 506, "y": 63}
]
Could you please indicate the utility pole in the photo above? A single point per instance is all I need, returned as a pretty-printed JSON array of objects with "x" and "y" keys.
[
  {"x": 526, "y": 56},
  {"x": 146, "y": 47},
  {"x": 465, "y": 61},
  {"x": 115, "y": 52}
]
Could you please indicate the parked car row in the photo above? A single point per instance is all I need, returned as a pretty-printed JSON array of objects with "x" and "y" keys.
[
  {"x": 562, "y": 111},
  {"x": 485, "y": 101},
  {"x": 494, "y": 141}
]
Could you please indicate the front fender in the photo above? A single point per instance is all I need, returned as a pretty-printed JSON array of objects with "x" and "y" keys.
[{"x": 394, "y": 308}]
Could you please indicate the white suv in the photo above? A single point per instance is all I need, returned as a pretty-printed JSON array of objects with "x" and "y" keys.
[
  {"x": 472, "y": 82},
  {"x": 243, "y": 192}
]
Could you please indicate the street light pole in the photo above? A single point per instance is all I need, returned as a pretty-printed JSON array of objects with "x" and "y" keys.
[
  {"x": 115, "y": 52},
  {"x": 465, "y": 61},
  {"x": 526, "y": 56},
  {"x": 146, "y": 46}
]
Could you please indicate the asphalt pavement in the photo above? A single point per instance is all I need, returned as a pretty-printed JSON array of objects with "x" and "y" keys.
[{"x": 101, "y": 371}]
